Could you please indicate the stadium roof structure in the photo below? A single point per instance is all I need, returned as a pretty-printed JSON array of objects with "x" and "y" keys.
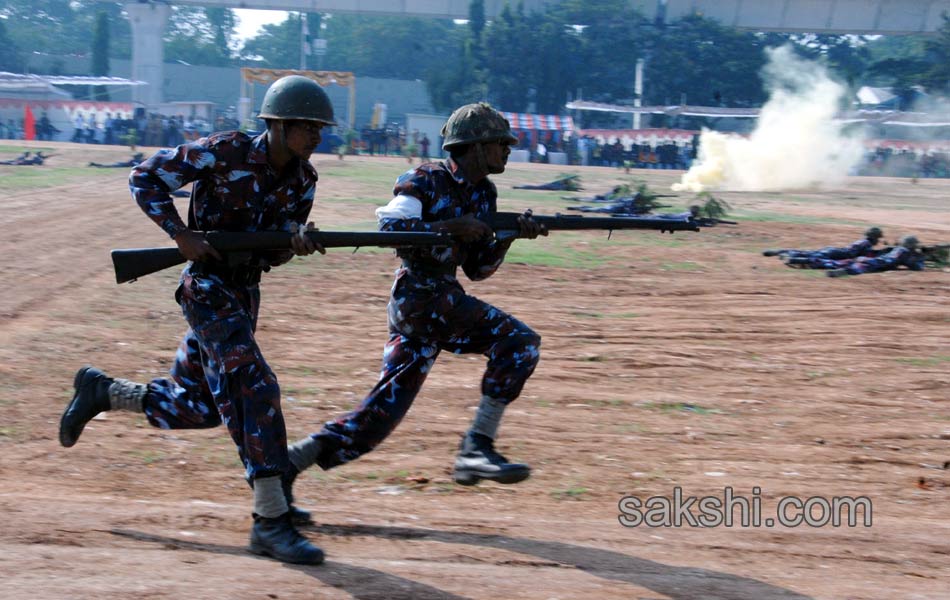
[
  {"x": 25, "y": 85},
  {"x": 877, "y": 117}
]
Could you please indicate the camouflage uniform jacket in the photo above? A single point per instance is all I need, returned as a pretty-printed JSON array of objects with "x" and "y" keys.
[
  {"x": 437, "y": 192},
  {"x": 897, "y": 257},
  {"x": 235, "y": 188}
]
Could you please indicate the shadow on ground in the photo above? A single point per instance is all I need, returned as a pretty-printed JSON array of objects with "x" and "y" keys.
[{"x": 678, "y": 583}]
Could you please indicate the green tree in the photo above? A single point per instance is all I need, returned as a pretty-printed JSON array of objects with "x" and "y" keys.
[
  {"x": 100, "y": 54},
  {"x": 42, "y": 29},
  {"x": 936, "y": 78},
  {"x": 611, "y": 37},
  {"x": 10, "y": 57},
  {"x": 277, "y": 46},
  {"x": 510, "y": 39},
  {"x": 702, "y": 62},
  {"x": 200, "y": 36}
]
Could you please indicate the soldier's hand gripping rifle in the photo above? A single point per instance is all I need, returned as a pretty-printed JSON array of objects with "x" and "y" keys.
[
  {"x": 506, "y": 224},
  {"x": 132, "y": 263}
]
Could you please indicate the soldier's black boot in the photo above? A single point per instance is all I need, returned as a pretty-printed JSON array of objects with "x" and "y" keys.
[
  {"x": 770, "y": 253},
  {"x": 478, "y": 460},
  {"x": 90, "y": 398},
  {"x": 797, "y": 261},
  {"x": 278, "y": 539},
  {"x": 837, "y": 273}
]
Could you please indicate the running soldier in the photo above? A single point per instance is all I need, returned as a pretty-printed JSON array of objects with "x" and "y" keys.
[
  {"x": 219, "y": 376},
  {"x": 429, "y": 311}
]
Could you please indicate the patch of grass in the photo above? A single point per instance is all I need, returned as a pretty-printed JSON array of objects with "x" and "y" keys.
[
  {"x": 41, "y": 176},
  {"x": 148, "y": 456},
  {"x": 770, "y": 217},
  {"x": 932, "y": 361},
  {"x": 18, "y": 150},
  {"x": 552, "y": 255},
  {"x": 680, "y": 266},
  {"x": 13, "y": 433},
  {"x": 570, "y": 493},
  {"x": 592, "y": 315},
  {"x": 680, "y": 407}
]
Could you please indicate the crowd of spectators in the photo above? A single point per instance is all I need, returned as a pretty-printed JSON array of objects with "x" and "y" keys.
[
  {"x": 888, "y": 161},
  {"x": 167, "y": 131}
]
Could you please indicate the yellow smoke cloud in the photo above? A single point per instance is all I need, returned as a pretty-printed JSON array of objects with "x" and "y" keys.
[{"x": 796, "y": 142}]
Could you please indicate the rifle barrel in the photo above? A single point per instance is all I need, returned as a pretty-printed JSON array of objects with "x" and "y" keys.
[{"x": 508, "y": 221}]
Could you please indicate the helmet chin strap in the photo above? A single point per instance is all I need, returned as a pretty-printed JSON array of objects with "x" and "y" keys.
[{"x": 480, "y": 159}]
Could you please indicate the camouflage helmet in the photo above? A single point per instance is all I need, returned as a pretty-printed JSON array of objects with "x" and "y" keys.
[
  {"x": 874, "y": 232},
  {"x": 298, "y": 98},
  {"x": 473, "y": 123},
  {"x": 910, "y": 242}
]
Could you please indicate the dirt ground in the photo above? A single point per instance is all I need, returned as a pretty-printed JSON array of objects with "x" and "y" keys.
[{"x": 686, "y": 361}]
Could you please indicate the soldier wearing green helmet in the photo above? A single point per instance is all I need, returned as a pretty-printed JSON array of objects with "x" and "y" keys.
[
  {"x": 810, "y": 258},
  {"x": 430, "y": 312},
  {"x": 219, "y": 376},
  {"x": 903, "y": 255}
]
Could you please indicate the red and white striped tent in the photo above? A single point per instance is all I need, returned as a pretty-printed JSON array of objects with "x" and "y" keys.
[{"x": 531, "y": 122}]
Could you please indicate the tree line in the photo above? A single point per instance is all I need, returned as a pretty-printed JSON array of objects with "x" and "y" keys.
[{"x": 519, "y": 61}]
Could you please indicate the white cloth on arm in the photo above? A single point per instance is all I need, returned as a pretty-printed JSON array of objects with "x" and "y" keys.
[{"x": 400, "y": 207}]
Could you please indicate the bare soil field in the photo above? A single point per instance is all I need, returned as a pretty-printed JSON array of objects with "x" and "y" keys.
[{"x": 686, "y": 362}]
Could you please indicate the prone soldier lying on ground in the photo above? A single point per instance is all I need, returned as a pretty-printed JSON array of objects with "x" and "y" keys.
[
  {"x": 695, "y": 214},
  {"x": 807, "y": 258},
  {"x": 25, "y": 159},
  {"x": 904, "y": 255},
  {"x": 568, "y": 183},
  {"x": 128, "y": 164}
]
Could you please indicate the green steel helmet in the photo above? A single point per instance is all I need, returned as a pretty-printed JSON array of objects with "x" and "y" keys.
[
  {"x": 874, "y": 233},
  {"x": 910, "y": 242},
  {"x": 297, "y": 98},
  {"x": 473, "y": 123}
]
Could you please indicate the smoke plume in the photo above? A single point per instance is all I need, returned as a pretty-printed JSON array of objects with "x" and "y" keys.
[{"x": 796, "y": 142}]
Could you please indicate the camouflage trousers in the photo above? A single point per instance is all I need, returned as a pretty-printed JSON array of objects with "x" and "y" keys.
[
  {"x": 427, "y": 316},
  {"x": 854, "y": 267},
  {"x": 219, "y": 375}
]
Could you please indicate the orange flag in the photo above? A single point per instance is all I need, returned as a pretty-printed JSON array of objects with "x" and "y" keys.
[{"x": 29, "y": 124}]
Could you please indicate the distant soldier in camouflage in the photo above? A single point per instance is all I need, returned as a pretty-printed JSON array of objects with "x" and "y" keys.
[
  {"x": 813, "y": 258},
  {"x": 429, "y": 311},
  {"x": 136, "y": 159},
  {"x": 904, "y": 255},
  {"x": 242, "y": 184}
]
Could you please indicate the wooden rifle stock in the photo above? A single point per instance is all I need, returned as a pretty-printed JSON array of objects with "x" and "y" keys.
[{"x": 132, "y": 263}]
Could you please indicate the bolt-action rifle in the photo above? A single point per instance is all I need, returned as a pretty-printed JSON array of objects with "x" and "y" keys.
[
  {"x": 939, "y": 254},
  {"x": 132, "y": 263},
  {"x": 506, "y": 225}
]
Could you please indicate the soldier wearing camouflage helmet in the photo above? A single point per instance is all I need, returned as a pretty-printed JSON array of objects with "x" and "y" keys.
[
  {"x": 429, "y": 311},
  {"x": 903, "y": 255},
  {"x": 814, "y": 258},
  {"x": 241, "y": 184}
]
